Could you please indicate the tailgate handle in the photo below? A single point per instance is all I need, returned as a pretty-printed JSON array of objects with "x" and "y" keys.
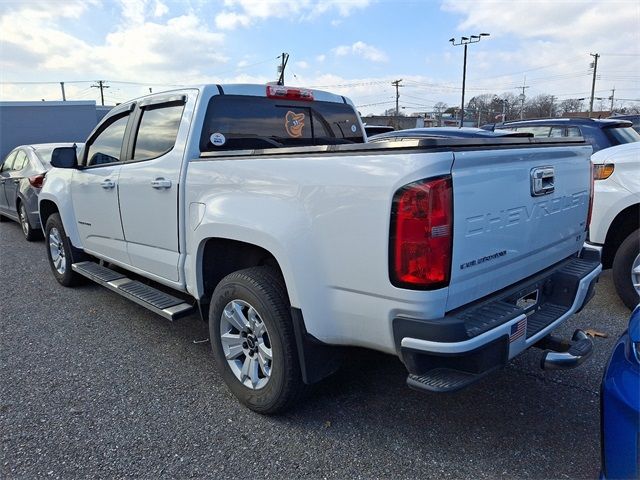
[{"x": 542, "y": 181}]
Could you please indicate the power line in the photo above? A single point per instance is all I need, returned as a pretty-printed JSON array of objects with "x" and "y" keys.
[{"x": 375, "y": 104}]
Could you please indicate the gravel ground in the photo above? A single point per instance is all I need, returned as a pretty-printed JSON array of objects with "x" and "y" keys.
[{"x": 92, "y": 385}]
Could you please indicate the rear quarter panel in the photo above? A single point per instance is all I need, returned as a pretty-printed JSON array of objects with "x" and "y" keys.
[{"x": 326, "y": 220}]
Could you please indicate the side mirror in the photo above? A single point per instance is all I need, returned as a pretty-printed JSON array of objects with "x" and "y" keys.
[{"x": 64, "y": 157}]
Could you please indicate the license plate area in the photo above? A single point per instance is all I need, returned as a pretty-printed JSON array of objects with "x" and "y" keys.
[
  {"x": 529, "y": 301},
  {"x": 530, "y": 298}
]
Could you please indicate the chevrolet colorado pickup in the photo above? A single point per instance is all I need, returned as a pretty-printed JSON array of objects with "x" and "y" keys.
[{"x": 264, "y": 208}]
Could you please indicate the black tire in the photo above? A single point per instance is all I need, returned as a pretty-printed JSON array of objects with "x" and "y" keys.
[
  {"x": 68, "y": 277},
  {"x": 30, "y": 233},
  {"x": 263, "y": 289},
  {"x": 622, "y": 264}
]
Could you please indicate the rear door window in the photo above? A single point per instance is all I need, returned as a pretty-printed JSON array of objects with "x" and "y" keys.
[
  {"x": 7, "y": 165},
  {"x": 538, "y": 131},
  {"x": 236, "y": 122},
  {"x": 20, "y": 161},
  {"x": 557, "y": 132},
  {"x": 573, "y": 132},
  {"x": 158, "y": 130}
]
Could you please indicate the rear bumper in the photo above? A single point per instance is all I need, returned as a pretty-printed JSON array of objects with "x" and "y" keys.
[{"x": 488, "y": 333}]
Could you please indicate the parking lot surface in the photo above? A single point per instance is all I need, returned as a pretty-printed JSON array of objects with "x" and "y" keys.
[{"x": 92, "y": 385}]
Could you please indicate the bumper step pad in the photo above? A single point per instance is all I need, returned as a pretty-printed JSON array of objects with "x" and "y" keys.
[
  {"x": 163, "y": 304},
  {"x": 441, "y": 380}
]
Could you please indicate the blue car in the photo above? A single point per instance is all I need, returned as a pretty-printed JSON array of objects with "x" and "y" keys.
[
  {"x": 600, "y": 133},
  {"x": 620, "y": 406}
]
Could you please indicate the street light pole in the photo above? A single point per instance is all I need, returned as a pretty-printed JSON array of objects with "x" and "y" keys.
[{"x": 465, "y": 41}]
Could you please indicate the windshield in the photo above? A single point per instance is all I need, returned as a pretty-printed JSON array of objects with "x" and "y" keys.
[
  {"x": 620, "y": 135},
  {"x": 236, "y": 122}
]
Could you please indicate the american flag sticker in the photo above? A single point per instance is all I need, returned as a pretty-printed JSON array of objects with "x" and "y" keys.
[{"x": 518, "y": 330}]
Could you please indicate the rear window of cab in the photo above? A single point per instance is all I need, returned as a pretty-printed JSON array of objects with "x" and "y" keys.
[{"x": 238, "y": 122}]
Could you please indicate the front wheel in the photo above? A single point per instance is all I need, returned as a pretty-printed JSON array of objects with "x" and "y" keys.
[
  {"x": 61, "y": 253},
  {"x": 253, "y": 341},
  {"x": 626, "y": 270}
]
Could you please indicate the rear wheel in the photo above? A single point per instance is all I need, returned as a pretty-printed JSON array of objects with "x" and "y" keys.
[
  {"x": 61, "y": 253},
  {"x": 30, "y": 233},
  {"x": 626, "y": 270},
  {"x": 252, "y": 340}
]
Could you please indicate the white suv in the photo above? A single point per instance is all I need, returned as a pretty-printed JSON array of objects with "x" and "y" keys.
[{"x": 615, "y": 222}]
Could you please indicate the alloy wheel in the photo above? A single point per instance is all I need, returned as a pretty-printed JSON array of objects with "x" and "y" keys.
[
  {"x": 56, "y": 248},
  {"x": 24, "y": 222},
  {"x": 246, "y": 344}
]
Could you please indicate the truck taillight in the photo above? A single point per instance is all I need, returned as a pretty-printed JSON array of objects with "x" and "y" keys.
[
  {"x": 290, "y": 93},
  {"x": 36, "y": 181},
  {"x": 421, "y": 234}
]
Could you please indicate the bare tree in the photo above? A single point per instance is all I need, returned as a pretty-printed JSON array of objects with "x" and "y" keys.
[
  {"x": 540, "y": 106},
  {"x": 570, "y": 105}
]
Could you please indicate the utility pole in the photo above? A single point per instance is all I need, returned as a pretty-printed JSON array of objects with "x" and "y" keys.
[
  {"x": 522, "y": 97},
  {"x": 593, "y": 82},
  {"x": 553, "y": 104},
  {"x": 101, "y": 85},
  {"x": 465, "y": 41},
  {"x": 613, "y": 92},
  {"x": 284, "y": 59},
  {"x": 397, "y": 85},
  {"x": 64, "y": 97}
]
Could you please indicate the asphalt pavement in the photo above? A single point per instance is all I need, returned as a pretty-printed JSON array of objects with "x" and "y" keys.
[{"x": 94, "y": 386}]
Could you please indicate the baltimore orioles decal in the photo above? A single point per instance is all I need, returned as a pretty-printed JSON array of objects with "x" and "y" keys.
[{"x": 293, "y": 123}]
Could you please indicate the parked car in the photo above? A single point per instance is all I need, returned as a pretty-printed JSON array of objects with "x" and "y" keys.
[
  {"x": 615, "y": 221},
  {"x": 620, "y": 407},
  {"x": 634, "y": 119},
  {"x": 376, "y": 129},
  {"x": 266, "y": 209},
  {"x": 22, "y": 174},
  {"x": 600, "y": 133},
  {"x": 445, "y": 132}
]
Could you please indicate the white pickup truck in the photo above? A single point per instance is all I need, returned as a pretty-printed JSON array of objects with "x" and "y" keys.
[
  {"x": 615, "y": 223},
  {"x": 264, "y": 208}
]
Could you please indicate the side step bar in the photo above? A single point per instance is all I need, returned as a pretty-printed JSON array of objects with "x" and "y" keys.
[{"x": 163, "y": 304}]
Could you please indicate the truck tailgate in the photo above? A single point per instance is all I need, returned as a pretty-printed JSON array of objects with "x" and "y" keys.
[{"x": 507, "y": 226}]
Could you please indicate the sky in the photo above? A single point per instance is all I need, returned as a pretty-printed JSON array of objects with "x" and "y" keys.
[{"x": 351, "y": 47}]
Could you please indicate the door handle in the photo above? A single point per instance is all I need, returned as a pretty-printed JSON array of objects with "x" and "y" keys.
[
  {"x": 108, "y": 183},
  {"x": 161, "y": 182},
  {"x": 16, "y": 180}
]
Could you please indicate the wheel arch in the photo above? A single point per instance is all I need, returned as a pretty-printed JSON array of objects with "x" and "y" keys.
[
  {"x": 625, "y": 222},
  {"x": 219, "y": 256},
  {"x": 46, "y": 209}
]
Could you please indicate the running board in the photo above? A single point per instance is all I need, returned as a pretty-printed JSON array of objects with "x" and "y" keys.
[{"x": 163, "y": 304}]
